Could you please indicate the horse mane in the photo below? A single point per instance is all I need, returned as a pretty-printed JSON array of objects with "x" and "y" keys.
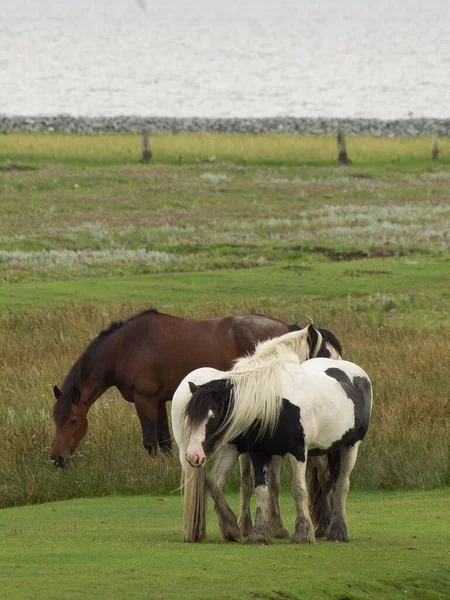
[
  {"x": 327, "y": 335},
  {"x": 303, "y": 342},
  {"x": 258, "y": 382},
  {"x": 71, "y": 388}
]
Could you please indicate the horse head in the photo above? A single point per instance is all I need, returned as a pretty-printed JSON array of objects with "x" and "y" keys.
[
  {"x": 205, "y": 414},
  {"x": 70, "y": 416}
]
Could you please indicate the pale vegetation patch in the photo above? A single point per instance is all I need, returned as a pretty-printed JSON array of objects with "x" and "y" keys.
[
  {"x": 214, "y": 177},
  {"x": 69, "y": 258}
]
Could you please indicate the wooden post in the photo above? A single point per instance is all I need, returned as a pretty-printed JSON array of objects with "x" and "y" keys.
[
  {"x": 146, "y": 150},
  {"x": 342, "y": 150},
  {"x": 434, "y": 147}
]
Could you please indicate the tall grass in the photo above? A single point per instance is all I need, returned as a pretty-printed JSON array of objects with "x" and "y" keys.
[
  {"x": 407, "y": 445},
  {"x": 238, "y": 148}
]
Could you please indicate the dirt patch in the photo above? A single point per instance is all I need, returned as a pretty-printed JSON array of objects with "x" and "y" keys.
[
  {"x": 298, "y": 269},
  {"x": 359, "y": 272},
  {"x": 362, "y": 175},
  {"x": 339, "y": 255}
]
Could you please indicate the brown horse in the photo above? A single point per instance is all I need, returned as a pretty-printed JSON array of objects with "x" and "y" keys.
[{"x": 145, "y": 358}]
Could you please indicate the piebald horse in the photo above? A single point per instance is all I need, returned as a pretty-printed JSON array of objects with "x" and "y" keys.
[{"x": 271, "y": 404}]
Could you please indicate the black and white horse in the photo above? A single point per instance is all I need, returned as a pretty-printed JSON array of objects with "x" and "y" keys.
[
  {"x": 311, "y": 342},
  {"x": 271, "y": 404}
]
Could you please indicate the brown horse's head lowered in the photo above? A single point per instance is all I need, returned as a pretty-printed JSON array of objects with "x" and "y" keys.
[
  {"x": 70, "y": 416},
  {"x": 85, "y": 382}
]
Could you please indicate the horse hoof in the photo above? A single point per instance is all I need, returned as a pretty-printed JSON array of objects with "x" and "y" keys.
[
  {"x": 281, "y": 533},
  {"x": 337, "y": 532},
  {"x": 303, "y": 538},
  {"x": 258, "y": 538},
  {"x": 237, "y": 537},
  {"x": 232, "y": 534}
]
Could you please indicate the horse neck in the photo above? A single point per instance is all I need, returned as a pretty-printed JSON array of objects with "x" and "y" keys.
[
  {"x": 258, "y": 394},
  {"x": 91, "y": 384}
]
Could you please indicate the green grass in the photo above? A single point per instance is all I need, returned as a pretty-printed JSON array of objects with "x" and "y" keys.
[
  {"x": 397, "y": 289},
  {"x": 131, "y": 548},
  {"x": 219, "y": 225}
]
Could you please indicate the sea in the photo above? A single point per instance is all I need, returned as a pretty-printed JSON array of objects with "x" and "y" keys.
[{"x": 385, "y": 59}]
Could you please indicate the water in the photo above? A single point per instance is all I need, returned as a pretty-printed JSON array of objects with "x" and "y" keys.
[{"x": 225, "y": 58}]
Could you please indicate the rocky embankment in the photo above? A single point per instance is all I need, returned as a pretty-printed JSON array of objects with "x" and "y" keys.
[{"x": 314, "y": 126}]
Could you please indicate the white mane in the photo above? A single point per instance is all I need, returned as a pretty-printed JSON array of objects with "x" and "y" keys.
[{"x": 258, "y": 382}]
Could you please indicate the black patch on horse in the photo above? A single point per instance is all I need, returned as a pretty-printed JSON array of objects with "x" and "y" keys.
[
  {"x": 359, "y": 391},
  {"x": 331, "y": 339},
  {"x": 288, "y": 436}
]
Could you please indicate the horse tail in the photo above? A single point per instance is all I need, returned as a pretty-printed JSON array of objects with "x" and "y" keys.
[{"x": 194, "y": 505}]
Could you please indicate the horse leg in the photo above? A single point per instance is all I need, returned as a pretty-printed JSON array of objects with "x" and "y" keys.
[
  {"x": 304, "y": 529},
  {"x": 260, "y": 533},
  {"x": 226, "y": 458},
  {"x": 162, "y": 429},
  {"x": 338, "y": 525},
  {"x": 319, "y": 485},
  {"x": 273, "y": 481},
  {"x": 245, "y": 517},
  {"x": 147, "y": 410}
]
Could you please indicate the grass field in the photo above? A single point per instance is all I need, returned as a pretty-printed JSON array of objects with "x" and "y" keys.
[
  {"x": 220, "y": 225},
  {"x": 131, "y": 548}
]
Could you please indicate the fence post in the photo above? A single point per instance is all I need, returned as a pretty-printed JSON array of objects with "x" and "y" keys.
[
  {"x": 434, "y": 147},
  {"x": 342, "y": 150},
  {"x": 146, "y": 150}
]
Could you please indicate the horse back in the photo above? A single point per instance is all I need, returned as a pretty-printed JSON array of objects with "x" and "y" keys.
[{"x": 154, "y": 351}]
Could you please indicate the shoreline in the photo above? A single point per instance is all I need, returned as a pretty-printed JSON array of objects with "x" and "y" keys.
[{"x": 299, "y": 125}]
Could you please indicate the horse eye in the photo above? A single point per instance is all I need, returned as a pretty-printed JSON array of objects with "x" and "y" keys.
[{"x": 73, "y": 422}]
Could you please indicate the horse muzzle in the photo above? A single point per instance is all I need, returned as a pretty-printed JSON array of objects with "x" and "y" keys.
[
  {"x": 196, "y": 459},
  {"x": 60, "y": 461}
]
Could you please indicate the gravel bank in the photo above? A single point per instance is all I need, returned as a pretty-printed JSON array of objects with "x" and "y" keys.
[{"x": 315, "y": 126}]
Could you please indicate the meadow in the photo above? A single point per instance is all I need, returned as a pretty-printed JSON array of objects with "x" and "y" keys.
[
  {"x": 218, "y": 225},
  {"x": 131, "y": 548}
]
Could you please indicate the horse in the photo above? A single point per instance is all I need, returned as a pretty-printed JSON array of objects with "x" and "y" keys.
[
  {"x": 145, "y": 358},
  {"x": 271, "y": 404}
]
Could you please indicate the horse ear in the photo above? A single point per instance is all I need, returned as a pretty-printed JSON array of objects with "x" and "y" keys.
[
  {"x": 56, "y": 392},
  {"x": 193, "y": 387},
  {"x": 313, "y": 337}
]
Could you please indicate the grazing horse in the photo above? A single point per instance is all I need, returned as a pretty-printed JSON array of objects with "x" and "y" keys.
[
  {"x": 145, "y": 358},
  {"x": 271, "y": 404}
]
